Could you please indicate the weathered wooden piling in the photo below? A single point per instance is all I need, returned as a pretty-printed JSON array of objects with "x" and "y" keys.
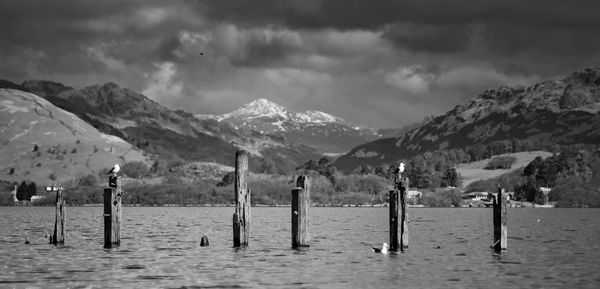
[
  {"x": 59, "y": 222},
  {"x": 241, "y": 217},
  {"x": 404, "y": 214},
  {"x": 112, "y": 212},
  {"x": 398, "y": 216},
  {"x": 500, "y": 221},
  {"x": 300, "y": 215}
]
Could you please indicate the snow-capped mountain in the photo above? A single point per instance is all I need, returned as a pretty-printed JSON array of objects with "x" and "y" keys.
[
  {"x": 317, "y": 129},
  {"x": 267, "y": 110}
]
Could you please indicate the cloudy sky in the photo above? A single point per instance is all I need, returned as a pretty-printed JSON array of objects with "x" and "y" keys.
[{"x": 376, "y": 63}]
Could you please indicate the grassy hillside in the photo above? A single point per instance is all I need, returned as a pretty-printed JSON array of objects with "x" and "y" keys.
[
  {"x": 475, "y": 171},
  {"x": 45, "y": 144}
]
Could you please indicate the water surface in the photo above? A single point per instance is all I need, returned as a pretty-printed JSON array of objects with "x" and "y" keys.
[{"x": 547, "y": 248}]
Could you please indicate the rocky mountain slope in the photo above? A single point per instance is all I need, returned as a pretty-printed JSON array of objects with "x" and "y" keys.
[
  {"x": 327, "y": 133},
  {"x": 43, "y": 143},
  {"x": 163, "y": 132},
  {"x": 565, "y": 112}
]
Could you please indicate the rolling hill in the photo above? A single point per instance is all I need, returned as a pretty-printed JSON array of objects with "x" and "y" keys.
[{"x": 45, "y": 144}]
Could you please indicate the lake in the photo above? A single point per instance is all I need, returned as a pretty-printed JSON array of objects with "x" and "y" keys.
[{"x": 547, "y": 248}]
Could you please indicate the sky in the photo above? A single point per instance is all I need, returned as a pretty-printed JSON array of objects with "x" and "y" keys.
[{"x": 376, "y": 63}]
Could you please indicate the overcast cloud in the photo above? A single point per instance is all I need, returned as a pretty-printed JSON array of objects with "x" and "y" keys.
[{"x": 375, "y": 63}]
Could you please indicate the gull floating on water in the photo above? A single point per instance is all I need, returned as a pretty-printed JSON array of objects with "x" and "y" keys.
[
  {"x": 382, "y": 250},
  {"x": 114, "y": 170}
]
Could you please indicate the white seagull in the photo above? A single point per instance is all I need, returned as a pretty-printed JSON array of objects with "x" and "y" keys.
[
  {"x": 114, "y": 170},
  {"x": 382, "y": 250}
]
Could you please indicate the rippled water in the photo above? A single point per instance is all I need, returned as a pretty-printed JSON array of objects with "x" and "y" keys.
[{"x": 160, "y": 248}]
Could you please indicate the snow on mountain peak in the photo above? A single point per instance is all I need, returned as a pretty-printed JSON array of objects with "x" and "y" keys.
[
  {"x": 265, "y": 109},
  {"x": 258, "y": 108},
  {"x": 315, "y": 116}
]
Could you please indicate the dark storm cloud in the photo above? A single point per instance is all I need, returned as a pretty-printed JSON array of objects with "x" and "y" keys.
[
  {"x": 378, "y": 63},
  {"x": 374, "y": 14}
]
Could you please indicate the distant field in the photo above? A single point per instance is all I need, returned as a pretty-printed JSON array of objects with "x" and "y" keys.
[{"x": 474, "y": 171}]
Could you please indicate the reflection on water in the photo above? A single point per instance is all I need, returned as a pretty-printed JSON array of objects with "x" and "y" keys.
[{"x": 161, "y": 248}]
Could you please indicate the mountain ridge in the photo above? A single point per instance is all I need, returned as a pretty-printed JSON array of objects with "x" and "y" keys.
[
  {"x": 163, "y": 132},
  {"x": 263, "y": 107},
  {"x": 324, "y": 131},
  {"x": 563, "y": 112}
]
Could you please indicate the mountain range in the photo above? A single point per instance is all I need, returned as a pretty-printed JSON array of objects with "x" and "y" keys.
[
  {"x": 323, "y": 131},
  {"x": 168, "y": 134},
  {"x": 106, "y": 123},
  {"x": 563, "y": 112},
  {"x": 42, "y": 142}
]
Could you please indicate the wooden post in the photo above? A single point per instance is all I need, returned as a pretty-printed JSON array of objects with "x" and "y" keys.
[
  {"x": 500, "y": 221},
  {"x": 59, "y": 222},
  {"x": 241, "y": 217},
  {"x": 403, "y": 215},
  {"x": 398, "y": 216},
  {"x": 112, "y": 212},
  {"x": 394, "y": 215},
  {"x": 300, "y": 216}
]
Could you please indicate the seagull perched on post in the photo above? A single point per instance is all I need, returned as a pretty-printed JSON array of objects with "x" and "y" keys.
[
  {"x": 400, "y": 169},
  {"x": 114, "y": 170}
]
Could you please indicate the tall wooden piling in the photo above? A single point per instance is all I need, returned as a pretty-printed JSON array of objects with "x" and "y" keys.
[
  {"x": 394, "y": 216},
  {"x": 241, "y": 217},
  {"x": 500, "y": 221},
  {"x": 59, "y": 223},
  {"x": 404, "y": 214},
  {"x": 300, "y": 215},
  {"x": 398, "y": 216},
  {"x": 112, "y": 212}
]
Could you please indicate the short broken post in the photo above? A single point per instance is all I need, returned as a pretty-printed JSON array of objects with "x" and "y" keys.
[
  {"x": 204, "y": 241},
  {"x": 300, "y": 216},
  {"x": 500, "y": 221},
  {"x": 59, "y": 222},
  {"x": 112, "y": 212},
  {"x": 241, "y": 217},
  {"x": 398, "y": 215}
]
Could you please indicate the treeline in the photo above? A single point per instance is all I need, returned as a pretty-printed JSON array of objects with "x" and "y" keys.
[
  {"x": 25, "y": 190},
  {"x": 573, "y": 176},
  {"x": 432, "y": 170},
  {"x": 426, "y": 171},
  {"x": 435, "y": 169},
  {"x": 268, "y": 190}
]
